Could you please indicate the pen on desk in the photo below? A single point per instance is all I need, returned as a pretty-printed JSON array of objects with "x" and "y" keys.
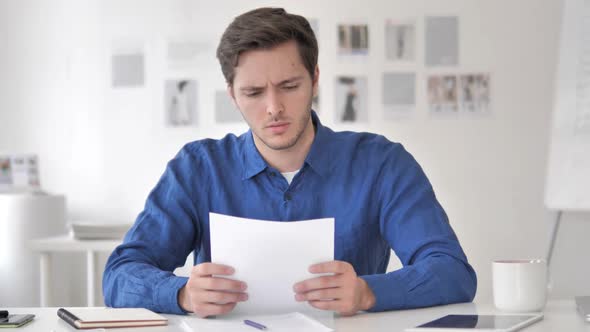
[{"x": 254, "y": 324}]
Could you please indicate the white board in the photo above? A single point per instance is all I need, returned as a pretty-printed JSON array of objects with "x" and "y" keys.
[{"x": 568, "y": 172}]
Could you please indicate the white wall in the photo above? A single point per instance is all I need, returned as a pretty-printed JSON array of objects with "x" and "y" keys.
[{"x": 105, "y": 149}]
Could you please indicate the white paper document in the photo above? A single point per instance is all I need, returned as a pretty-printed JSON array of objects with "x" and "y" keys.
[
  {"x": 270, "y": 257},
  {"x": 291, "y": 322}
]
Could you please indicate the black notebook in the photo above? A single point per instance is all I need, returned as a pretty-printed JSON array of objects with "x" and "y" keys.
[
  {"x": 16, "y": 320},
  {"x": 90, "y": 318}
]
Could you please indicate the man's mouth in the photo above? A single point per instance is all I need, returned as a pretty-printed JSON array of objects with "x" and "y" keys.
[{"x": 278, "y": 127}]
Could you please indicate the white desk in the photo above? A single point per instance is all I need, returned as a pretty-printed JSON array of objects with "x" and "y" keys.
[
  {"x": 559, "y": 316},
  {"x": 65, "y": 243}
]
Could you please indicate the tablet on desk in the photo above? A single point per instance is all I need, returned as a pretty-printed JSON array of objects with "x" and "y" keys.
[{"x": 495, "y": 323}]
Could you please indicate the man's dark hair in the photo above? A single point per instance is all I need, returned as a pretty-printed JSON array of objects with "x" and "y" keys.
[{"x": 264, "y": 28}]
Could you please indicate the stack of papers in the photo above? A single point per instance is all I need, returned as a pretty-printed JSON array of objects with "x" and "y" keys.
[
  {"x": 95, "y": 231},
  {"x": 292, "y": 322}
]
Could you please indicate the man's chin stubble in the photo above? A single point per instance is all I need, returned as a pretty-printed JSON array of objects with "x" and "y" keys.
[{"x": 280, "y": 147}]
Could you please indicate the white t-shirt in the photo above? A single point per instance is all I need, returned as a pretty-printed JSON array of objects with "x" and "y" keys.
[{"x": 290, "y": 175}]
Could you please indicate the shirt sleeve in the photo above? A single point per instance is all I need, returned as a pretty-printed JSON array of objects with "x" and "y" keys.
[
  {"x": 435, "y": 269},
  {"x": 139, "y": 272}
]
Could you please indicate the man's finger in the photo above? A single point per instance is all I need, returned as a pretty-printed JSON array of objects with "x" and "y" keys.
[
  {"x": 220, "y": 284},
  {"x": 209, "y": 309},
  {"x": 320, "y": 294},
  {"x": 325, "y": 305},
  {"x": 316, "y": 283},
  {"x": 330, "y": 267},
  {"x": 207, "y": 269},
  {"x": 338, "y": 306},
  {"x": 214, "y": 297}
]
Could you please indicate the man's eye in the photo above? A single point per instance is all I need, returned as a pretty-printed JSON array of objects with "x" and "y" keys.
[
  {"x": 291, "y": 87},
  {"x": 252, "y": 94}
]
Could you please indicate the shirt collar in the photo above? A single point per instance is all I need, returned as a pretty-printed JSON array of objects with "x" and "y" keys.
[
  {"x": 253, "y": 161},
  {"x": 319, "y": 156}
]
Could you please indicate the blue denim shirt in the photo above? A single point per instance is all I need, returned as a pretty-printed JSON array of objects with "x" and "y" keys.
[{"x": 376, "y": 191}]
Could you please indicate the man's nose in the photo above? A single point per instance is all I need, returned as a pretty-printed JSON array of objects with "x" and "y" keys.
[{"x": 274, "y": 105}]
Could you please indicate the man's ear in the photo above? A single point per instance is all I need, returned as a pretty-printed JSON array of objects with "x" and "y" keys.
[{"x": 316, "y": 79}]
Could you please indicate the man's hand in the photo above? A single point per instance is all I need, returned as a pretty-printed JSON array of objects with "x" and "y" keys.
[
  {"x": 206, "y": 295},
  {"x": 343, "y": 292}
]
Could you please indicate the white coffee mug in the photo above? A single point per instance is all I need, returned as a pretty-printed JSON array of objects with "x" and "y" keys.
[{"x": 520, "y": 285}]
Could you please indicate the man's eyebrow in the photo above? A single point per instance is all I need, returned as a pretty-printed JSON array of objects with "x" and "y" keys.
[
  {"x": 283, "y": 82},
  {"x": 291, "y": 80},
  {"x": 251, "y": 87}
]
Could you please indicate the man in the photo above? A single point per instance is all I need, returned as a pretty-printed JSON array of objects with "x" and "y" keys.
[{"x": 290, "y": 167}]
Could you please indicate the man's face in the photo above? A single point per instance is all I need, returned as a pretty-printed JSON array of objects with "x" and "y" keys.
[{"x": 273, "y": 91}]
